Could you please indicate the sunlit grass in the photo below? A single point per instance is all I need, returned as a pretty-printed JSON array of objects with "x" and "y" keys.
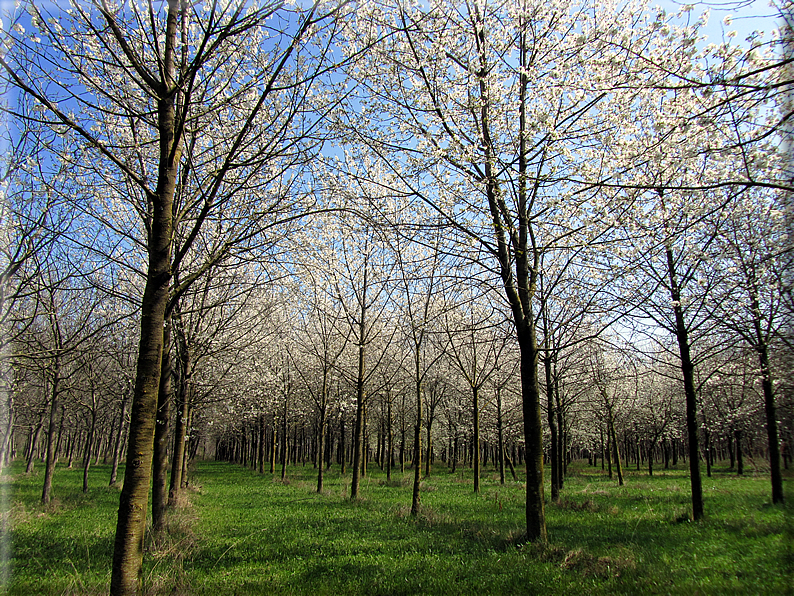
[{"x": 245, "y": 533}]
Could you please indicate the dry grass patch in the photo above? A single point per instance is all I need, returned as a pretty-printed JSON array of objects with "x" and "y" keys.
[
  {"x": 170, "y": 549},
  {"x": 599, "y": 567},
  {"x": 570, "y": 505}
]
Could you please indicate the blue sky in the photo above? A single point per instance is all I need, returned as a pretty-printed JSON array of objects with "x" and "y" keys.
[{"x": 746, "y": 16}]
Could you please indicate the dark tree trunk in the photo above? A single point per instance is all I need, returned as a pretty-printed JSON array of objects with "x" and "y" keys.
[
  {"x": 88, "y": 449},
  {"x": 46, "y": 493},
  {"x": 342, "y": 455},
  {"x": 500, "y": 435},
  {"x": 687, "y": 368},
  {"x": 180, "y": 428},
  {"x": 417, "y": 444},
  {"x": 321, "y": 447},
  {"x": 284, "y": 443},
  {"x": 163, "y": 419},
  {"x": 358, "y": 432},
  {"x": 273, "y": 445},
  {"x": 769, "y": 410},
  {"x": 429, "y": 461},
  {"x": 554, "y": 459},
  {"x": 739, "y": 454},
  {"x": 134, "y": 499},
  {"x": 32, "y": 441},
  {"x": 533, "y": 435},
  {"x": 390, "y": 438},
  {"x": 476, "y": 446},
  {"x": 562, "y": 460},
  {"x": 616, "y": 451},
  {"x": 260, "y": 456}
]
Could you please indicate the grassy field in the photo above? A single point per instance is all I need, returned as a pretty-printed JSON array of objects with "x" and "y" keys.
[{"x": 244, "y": 533}]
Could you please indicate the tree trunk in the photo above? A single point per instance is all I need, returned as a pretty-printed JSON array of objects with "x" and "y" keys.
[
  {"x": 180, "y": 429},
  {"x": 342, "y": 455},
  {"x": 390, "y": 433},
  {"x": 190, "y": 449},
  {"x": 769, "y": 405},
  {"x": 133, "y": 502},
  {"x": 614, "y": 441},
  {"x": 417, "y": 443},
  {"x": 88, "y": 450},
  {"x": 500, "y": 435},
  {"x": 33, "y": 440},
  {"x": 739, "y": 454},
  {"x": 533, "y": 434},
  {"x": 260, "y": 456},
  {"x": 321, "y": 448},
  {"x": 554, "y": 458},
  {"x": 119, "y": 438},
  {"x": 429, "y": 462},
  {"x": 284, "y": 443},
  {"x": 358, "y": 432},
  {"x": 687, "y": 368},
  {"x": 163, "y": 419},
  {"x": 475, "y": 405},
  {"x": 5, "y": 446},
  {"x": 46, "y": 493},
  {"x": 273, "y": 445}
]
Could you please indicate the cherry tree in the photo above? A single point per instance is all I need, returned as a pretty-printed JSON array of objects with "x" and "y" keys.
[
  {"x": 484, "y": 113},
  {"x": 322, "y": 345},
  {"x": 754, "y": 298},
  {"x": 475, "y": 347},
  {"x": 150, "y": 96}
]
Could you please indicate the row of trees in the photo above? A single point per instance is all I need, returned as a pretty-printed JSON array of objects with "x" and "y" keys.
[
  {"x": 383, "y": 200},
  {"x": 250, "y": 397}
]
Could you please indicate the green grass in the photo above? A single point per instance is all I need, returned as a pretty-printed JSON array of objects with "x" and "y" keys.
[{"x": 245, "y": 533}]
